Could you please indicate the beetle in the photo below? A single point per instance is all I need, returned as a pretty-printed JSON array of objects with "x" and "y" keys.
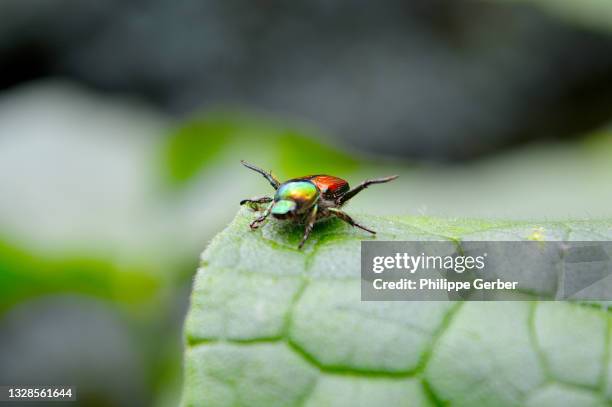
[{"x": 307, "y": 199}]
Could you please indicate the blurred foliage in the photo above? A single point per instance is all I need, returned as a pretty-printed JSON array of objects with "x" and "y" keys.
[
  {"x": 300, "y": 154},
  {"x": 588, "y": 13},
  {"x": 271, "y": 325},
  {"x": 197, "y": 143},
  {"x": 25, "y": 274}
]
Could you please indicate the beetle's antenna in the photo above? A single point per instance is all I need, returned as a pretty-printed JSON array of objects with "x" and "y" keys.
[
  {"x": 344, "y": 198},
  {"x": 271, "y": 179}
]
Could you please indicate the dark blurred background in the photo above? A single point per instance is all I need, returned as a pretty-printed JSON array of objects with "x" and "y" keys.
[
  {"x": 427, "y": 79},
  {"x": 122, "y": 123}
]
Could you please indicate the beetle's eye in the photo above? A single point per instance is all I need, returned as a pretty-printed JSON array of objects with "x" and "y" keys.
[{"x": 282, "y": 207}]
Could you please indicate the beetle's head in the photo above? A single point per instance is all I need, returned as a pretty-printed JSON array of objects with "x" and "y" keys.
[{"x": 284, "y": 209}]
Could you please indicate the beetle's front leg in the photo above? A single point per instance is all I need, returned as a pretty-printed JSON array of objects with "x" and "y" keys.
[
  {"x": 260, "y": 220},
  {"x": 254, "y": 203},
  {"x": 310, "y": 221}
]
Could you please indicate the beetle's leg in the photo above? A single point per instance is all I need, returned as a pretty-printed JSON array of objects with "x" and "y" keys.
[
  {"x": 260, "y": 220},
  {"x": 339, "y": 214},
  {"x": 310, "y": 221},
  {"x": 344, "y": 198},
  {"x": 255, "y": 202},
  {"x": 267, "y": 175}
]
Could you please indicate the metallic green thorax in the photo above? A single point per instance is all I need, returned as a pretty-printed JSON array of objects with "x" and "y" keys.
[{"x": 294, "y": 196}]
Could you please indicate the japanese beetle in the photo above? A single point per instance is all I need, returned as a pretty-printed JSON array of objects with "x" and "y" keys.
[{"x": 307, "y": 199}]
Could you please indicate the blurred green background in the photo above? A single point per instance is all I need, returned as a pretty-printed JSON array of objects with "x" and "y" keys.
[{"x": 122, "y": 126}]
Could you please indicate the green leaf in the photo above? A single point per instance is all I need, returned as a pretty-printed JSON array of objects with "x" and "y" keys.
[
  {"x": 193, "y": 145},
  {"x": 25, "y": 274},
  {"x": 270, "y": 325},
  {"x": 207, "y": 139},
  {"x": 299, "y": 153}
]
